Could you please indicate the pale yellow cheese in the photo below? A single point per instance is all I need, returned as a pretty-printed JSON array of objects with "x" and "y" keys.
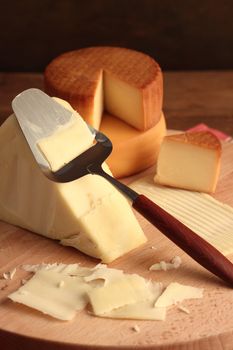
[
  {"x": 165, "y": 266},
  {"x": 125, "y": 290},
  {"x": 176, "y": 292},
  {"x": 123, "y": 100},
  {"x": 189, "y": 161},
  {"x": 53, "y": 293},
  {"x": 66, "y": 143},
  {"x": 144, "y": 310},
  {"x": 60, "y": 290},
  {"x": 203, "y": 214},
  {"x": 63, "y": 211},
  {"x": 104, "y": 273}
]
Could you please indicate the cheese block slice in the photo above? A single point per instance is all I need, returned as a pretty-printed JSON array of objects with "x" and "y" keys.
[
  {"x": 190, "y": 161},
  {"x": 53, "y": 293},
  {"x": 76, "y": 138},
  {"x": 127, "y": 83},
  {"x": 128, "y": 289},
  {"x": 133, "y": 150},
  {"x": 88, "y": 214}
]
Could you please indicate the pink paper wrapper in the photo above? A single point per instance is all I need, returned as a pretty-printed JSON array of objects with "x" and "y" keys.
[{"x": 219, "y": 134}]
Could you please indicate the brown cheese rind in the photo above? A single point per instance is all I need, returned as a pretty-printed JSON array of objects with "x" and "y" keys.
[{"x": 74, "y": 76}]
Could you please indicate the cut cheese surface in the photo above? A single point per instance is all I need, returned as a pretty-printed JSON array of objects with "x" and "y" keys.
[
  {"x": 133, "y": 150},
  {"x": 203, "y": 214},
  {"x": 68, "y": 142},
  {"x": 176, "y": 292},
  {"x": 127, "y": 83},
  {"x": 190, "y": 161},
  {"x": 85, "y": 213}
]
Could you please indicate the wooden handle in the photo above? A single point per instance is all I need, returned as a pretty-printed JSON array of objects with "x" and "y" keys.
[{"x": 195, "y": 246}]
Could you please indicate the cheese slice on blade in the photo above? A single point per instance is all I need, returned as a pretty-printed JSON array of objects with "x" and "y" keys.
[
  {"x": 189, "y": 161},
  {"x": 88, "y": 213},
  {"x": 69, "y": 141},
  {"x": 126, "y": 83},
  {"x": 133, "y": 150}
]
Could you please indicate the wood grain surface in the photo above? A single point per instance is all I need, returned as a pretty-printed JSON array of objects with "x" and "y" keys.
[{"x": 208, "y": 326}]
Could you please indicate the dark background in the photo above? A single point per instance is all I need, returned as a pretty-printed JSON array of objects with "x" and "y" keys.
[{"x": 179, "y": 34}]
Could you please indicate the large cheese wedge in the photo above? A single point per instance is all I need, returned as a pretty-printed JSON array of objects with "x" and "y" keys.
[
  {"x": 88, "y": 214},
  {"x": 190, "y": 161},
  {"x": 133, "y": 150},
  {"x": 127, "y": 83}
]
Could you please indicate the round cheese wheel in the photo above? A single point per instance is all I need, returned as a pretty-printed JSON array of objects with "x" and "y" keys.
[
  {"x": 133, "y": 150},
  {"x": 126, "y": 83}
]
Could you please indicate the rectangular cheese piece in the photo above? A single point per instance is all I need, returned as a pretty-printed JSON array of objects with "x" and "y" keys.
[
  {"x": 176, "y": 292},
  {"x": 88, "y": 213},
  {"x": 203, "y": 214},
  {"x": 189, "y": 161},
  {"x": 123, "y": 291},
  {"x": 53, "y": 293},
  {"x": 144, "y": 310},
  {"x": 66, "y": 143}
]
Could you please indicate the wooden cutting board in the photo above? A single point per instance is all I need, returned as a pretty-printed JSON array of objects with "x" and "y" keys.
[{"x": 209, "y": 326}]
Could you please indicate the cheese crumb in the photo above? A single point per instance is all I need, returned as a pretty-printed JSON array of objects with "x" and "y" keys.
[
  {"x": 183, "y": 308},
  {"x": 61, "y": 284},
  {"x": 136, "y": 328},
  {"x": 176, "y": 261},
  {"x": 163, "y": 265},
  {"x": 5, "y": 275},
  {"x": 123, "y": 296},
  {"x": 9, "y": 274},
  {"x": 12, "y": 273}
]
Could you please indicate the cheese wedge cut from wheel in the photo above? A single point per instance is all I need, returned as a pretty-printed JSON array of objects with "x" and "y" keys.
[
  {"x": 88, "y": 213},
  {"x": 133, "y": 150},
  {"x": 127, "y": 83},
  {"x": 190, "y": 161}
]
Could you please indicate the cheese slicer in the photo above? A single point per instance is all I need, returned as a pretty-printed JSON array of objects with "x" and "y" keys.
[{"x": 39, "y": 116}]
